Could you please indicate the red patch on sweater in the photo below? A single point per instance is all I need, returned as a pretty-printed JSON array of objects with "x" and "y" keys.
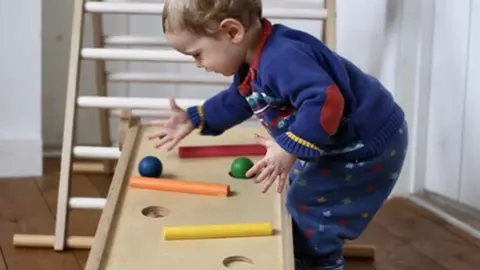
[
  {"x": 377, "y": 167},
  {"x": 324, "y": 171},
  {"x": 332, "y": 110},
  {"x": 302, "y": 208},
  {"x": 309, "y": 233},
  {"x": 344, "y": 222}
]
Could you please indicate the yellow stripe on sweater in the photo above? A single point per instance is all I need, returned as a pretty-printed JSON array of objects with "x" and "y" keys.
[
  {"x": 301, "y": 141},
  {"x": 202, "y": 119}
]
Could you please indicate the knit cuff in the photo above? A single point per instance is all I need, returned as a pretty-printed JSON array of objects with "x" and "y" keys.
[
  {"x": 298, "y": 146},
  {"x": 195, "y": 113}
]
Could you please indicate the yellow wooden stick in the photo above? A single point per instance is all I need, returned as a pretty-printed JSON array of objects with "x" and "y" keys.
[{"x": 217, "y": 231}]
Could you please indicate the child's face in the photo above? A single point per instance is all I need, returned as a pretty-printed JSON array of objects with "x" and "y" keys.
[{"x": 222, "y": 54}]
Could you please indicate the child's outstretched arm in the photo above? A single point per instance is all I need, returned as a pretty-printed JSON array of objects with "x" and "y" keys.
[
  {"x": 221, "y": 112},
  {"x": 300, "y": 79}
]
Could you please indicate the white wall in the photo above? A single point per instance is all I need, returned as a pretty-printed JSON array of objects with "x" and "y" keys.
[
  {"x": 368, "y": 33},
  {"x": 412, "y": 84},
  {"x": 20, "y": 89},
  {"x": 453, "y": 143},
  {"x": 470, "y": 170}
]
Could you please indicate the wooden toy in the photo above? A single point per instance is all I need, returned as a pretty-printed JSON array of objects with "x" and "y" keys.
[
  {"x": 178, "y": 185},
  {"x": 221, "y": 151},
  {"x": 240, "y": 167},
  {"x": 150, "y": 166},
  {"x": 190, "y": 231},
  {"x": 167, "y": 227},
  {"x": 217, "y": 231}
]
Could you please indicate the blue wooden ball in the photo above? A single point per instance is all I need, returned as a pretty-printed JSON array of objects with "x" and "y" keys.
[{"x": 150, "y": 166}]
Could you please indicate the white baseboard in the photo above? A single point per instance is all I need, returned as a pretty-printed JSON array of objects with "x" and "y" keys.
[
  {"x": 452, "y": 220},
  {"x": 402, "y": 188},
  {"x": 21, "y": 157}
]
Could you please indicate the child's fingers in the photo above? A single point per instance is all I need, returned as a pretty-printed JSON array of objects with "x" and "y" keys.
[
  {"x": 266, "y": 172},
  {"x": 158, "y": 134},
  {"x": 163, "y": 141},
  {"x": 261, "y": 140},
  {"x": 173, "y": 143},
  {"x": 282, "y": 180},
  {"x": 160, "y": 123},
  {"x": 269, "y": 182},
  {"x": 256, "y": 168},
  {"x": 173, "y": 105}
]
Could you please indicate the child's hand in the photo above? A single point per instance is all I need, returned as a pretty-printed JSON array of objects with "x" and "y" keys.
[
  {"x": 174, "y": 129},
  {"x": 274, "y": 166}
]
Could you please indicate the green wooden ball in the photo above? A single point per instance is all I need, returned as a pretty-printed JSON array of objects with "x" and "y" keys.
[{"x": 240, "y": 167}]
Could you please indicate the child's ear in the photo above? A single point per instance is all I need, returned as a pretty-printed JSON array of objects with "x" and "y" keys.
[{"x": 233, "y": 29}]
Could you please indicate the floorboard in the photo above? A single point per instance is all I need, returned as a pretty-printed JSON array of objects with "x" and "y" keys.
[
  {"x": 3, "y": 265},
  {"x": 461, "y": 211},
  {"x": 471, "y": 216},
  {"x": 406, "y": 222},
  {"x": 24, "y": 210},
  {"x": 394, "y": 253}
]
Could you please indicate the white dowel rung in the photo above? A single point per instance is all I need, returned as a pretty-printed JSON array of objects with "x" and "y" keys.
[
  {"x": 87, "y": 203},
  {"x": 133, "y": 102},
  {"x": 96, "y": 152},
  {"x": 167, "y": 78},
  {"x": 296, "y": 13},
  {"x": 152, "y": 114},
  {"x": 135, "y": 40},
  {"x": 136, "y": 55},
  {"x": 124, "y": 7},
  {"x": 151, "y": 8},
  {"x": 145, "y": 113}
]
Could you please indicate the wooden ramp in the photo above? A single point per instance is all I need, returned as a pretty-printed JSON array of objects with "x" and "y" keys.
[{"x": 130, "y": 232}]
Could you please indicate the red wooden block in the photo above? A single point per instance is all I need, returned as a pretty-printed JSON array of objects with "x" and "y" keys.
[{"x": 221, "y": 151}]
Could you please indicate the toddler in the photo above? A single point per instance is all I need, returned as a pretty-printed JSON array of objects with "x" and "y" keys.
[{"x": 336, "y": 133}]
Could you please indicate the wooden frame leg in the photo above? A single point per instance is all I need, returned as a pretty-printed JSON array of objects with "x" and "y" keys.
[
  {"x": 329, "y": 29},
  {"x": 125, "y": 123},
  {"x": 356, "y": 251},
  {"x": 69, "y": 126}
]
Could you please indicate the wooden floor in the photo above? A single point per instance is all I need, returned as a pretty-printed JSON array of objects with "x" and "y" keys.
[{"x": 406, "y": 237}]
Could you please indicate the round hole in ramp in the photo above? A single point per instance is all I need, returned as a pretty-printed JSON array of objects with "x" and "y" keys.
[
  {"x": 155, "y": 212},
  {"x": 237, "y": 262}
]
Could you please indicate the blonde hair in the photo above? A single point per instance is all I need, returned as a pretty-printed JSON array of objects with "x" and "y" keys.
[{"x": 204, "y": 16}]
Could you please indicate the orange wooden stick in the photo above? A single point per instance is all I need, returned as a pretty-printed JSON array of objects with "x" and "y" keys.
[{"x": 177, "y": 185}]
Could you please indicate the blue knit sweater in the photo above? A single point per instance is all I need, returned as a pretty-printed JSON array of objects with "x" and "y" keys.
[{"x": 313, "y": 101}]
